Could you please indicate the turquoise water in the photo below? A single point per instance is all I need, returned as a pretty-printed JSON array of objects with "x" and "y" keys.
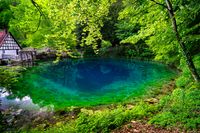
[{"x": 86, "y": 82}]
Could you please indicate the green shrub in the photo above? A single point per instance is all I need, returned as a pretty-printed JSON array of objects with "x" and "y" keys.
[
  {"x": 186, "y": 79},
  {"x": 142, "y": 110},
  {"x": 105, "y": 120},
  {"x": 9, "y": 76},
  {"x": 106, "y": 44},
  {"x": 182, "y": 109},
  {"x": 100, "y": 121},
  {"x": 164, "y": 119}
]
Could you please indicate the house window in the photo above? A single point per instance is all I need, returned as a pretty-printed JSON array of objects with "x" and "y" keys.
[
  {"x": 17, "y": 51},
  {"x": 3, "y": 51}
]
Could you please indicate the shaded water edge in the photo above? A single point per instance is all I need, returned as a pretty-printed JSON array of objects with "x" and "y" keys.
[{"x": 27, "y": 103}]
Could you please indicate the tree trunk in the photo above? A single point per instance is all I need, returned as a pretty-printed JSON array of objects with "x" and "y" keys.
[{"x": 185, "y": 52}]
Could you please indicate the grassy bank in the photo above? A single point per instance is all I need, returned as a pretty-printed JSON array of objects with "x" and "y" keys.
[{"x": 176, "y": 108}]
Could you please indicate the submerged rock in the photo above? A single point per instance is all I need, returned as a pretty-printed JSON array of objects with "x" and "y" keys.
[{"x": 152, "y": 100}]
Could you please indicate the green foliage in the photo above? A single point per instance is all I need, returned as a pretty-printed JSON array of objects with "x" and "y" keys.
[
  {"x": 180, "y": 109},
  {"x": 105, "y": 44},
  {"x": 142, "y": 25},
  {"x": 57, "y": 25},
  {"x": 1, "y": 121},
  {"x": 143, "y": 110},
  {"x": 138, "y": 50},
  {"x": 89, "y": 52},
  {"x": 149, "y": 25},
  {"x": 8, "y": 76},
  {"x": 109, "y": 28},
  {"x": 94, "y": 121},
  {"x": 5, "y": 12},
  {"x": 185, "y": 78},
  {"x": 103, "y": 120},
  {"x": 125, "y": 29},
  {"x": 149, "y": 22}
]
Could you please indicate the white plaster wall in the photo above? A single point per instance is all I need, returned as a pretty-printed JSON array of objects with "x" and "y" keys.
[
  {"x": 10, "y": 52},
  {"x": 1, "y": 54}
]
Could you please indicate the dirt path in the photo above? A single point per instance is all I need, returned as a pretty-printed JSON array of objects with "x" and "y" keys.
[
  {"x": 142, "y": 127},
  {"x": 139, "y": 127}
]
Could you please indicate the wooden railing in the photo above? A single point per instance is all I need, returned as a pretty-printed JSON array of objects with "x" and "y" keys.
[{"x": 27, "y": 55}]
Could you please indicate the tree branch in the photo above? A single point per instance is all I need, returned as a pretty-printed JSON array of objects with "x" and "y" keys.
[
  {"x": 163, "y": 5},
  {"x": 38, "y": 7},
  {"x": 41, "y": 14},
  {"x": 38, "y": 24}
]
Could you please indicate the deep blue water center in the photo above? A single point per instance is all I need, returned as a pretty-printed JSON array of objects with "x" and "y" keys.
[
  {"x": 90, "y": 75},
  {"x": 85, "y": 82},
  {"x": 94, "y": 75}
]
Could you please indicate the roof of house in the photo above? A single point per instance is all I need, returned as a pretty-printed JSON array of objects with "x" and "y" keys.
[{"x": 3, "y": 35}]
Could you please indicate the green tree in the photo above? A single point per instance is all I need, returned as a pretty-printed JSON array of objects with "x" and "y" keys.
[
  {"x": 5, "y": 12},
  {"x": 58, "y": 21},
  {"x": 109, "y": 28},
  {"x": 155, "y": 29},
  {"x": 185, "y": 52}
]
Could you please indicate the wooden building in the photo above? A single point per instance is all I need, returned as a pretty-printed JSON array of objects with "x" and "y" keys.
[
  {"x": 9, "y": 47},
  {"x": 11, "y": 50}
]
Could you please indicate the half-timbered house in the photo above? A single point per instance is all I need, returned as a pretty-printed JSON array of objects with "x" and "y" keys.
[{"x": 9, "y": 47}]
